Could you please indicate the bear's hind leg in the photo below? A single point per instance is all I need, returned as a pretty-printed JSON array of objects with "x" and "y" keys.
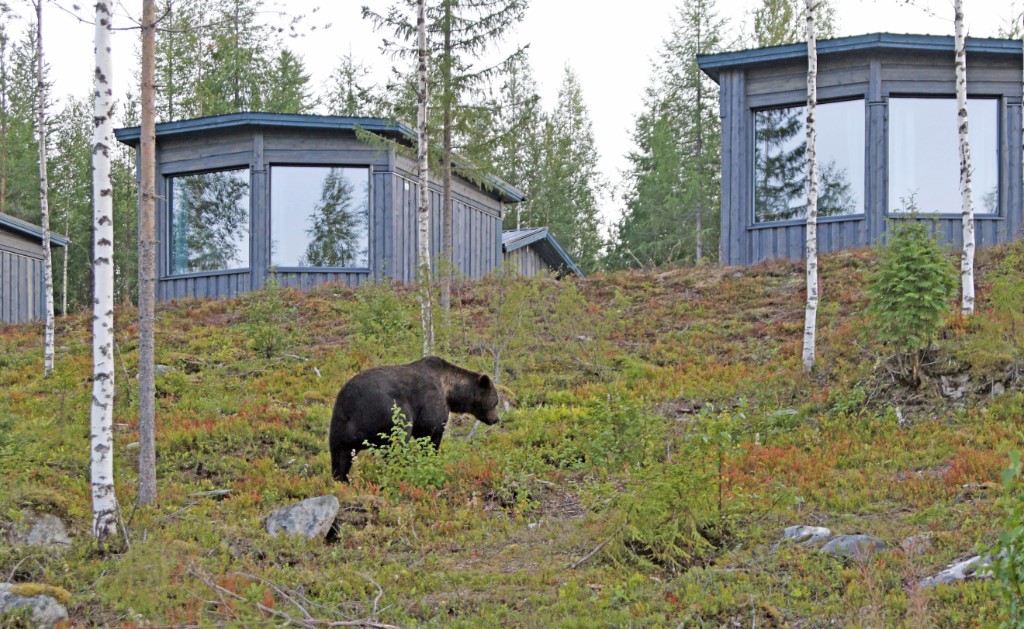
[{"x": 341, "y": 463}]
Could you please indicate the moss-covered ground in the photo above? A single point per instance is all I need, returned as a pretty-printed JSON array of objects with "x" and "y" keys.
[{"x": 661, "y": 433}]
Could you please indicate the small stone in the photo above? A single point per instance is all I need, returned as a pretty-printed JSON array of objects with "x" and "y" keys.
[
  {"x": 162, "y": 369},
  {"x": 955, "y": 387},
  {"x": 806, "y": 535},
  {"x": 46, "y": 611},
  {"x": 974, "y": 568},
  {"x": 310, "y": 518},
  {"x": 849, "y": 546},
  {"x": 40, "y": 529},
  {"x": 998, "y": 389},
  {"x": 533, "y": 525},
  {"x": 131, "y": 447}
]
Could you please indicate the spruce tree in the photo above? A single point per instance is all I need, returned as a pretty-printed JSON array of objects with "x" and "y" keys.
[
  {"x": 348, "y": 91},
  {"x": 569, "y": 185}
]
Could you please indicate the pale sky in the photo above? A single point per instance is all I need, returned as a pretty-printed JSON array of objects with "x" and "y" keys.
[{"x": 610, "y": 50}]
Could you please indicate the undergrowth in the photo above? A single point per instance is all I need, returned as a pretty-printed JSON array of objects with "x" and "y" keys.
[{"x": 661, "y": 433}]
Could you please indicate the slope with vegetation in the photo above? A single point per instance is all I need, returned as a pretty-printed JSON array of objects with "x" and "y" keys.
[{"x": 660, "y": 437}]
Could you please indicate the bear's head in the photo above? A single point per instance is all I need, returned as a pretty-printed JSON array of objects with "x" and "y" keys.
[{"x": 485, "y": 402}]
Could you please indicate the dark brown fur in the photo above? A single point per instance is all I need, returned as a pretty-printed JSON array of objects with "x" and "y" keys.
[{"x": 426, "y": 391}]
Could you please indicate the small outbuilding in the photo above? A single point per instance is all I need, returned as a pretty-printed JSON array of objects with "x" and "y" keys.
[
  {"x": 887, "y": 142},
  {"x": 22, "y": 291},
  {"x": 535, "y": 250},
  {"x": 313, "y": 199}
]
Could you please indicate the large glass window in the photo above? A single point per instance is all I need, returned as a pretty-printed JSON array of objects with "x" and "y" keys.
[
  {"x": 924, "y": 155},
  {"x": 210, "y": 221},
  {"x": 319, "y": 216},
  {"x": 780, "y": 161}
]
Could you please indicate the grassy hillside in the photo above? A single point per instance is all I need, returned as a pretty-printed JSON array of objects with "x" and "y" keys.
[{"x": 660, "y": 437}]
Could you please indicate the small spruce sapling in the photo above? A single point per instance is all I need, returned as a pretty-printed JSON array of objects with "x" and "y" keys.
[{"x": 910, "y": 291}]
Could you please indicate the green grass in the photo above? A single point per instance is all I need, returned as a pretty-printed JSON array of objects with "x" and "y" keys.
[{"x": 662, "y": 435}]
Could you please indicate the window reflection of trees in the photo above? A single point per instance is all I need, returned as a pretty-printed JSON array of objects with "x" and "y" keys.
[
  {"x": 210, "y": 221},
  {"x": 780, "y": 169},
  {"x": 338, "y": 225}
]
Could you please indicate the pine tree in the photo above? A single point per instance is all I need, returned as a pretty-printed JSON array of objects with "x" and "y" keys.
[
  {"x": 567, "y": 191},
  {"x": 347, "y": 91},
  {"x": 672, "y": 206},
  {"x": 287, "y": 86},
  {"x": 779, "y": 22}
]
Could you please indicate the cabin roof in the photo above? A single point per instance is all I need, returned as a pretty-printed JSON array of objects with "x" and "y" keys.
[
  {"x": 714, "y": 64},
  {"x": 546, "y": 245},
  {"x": 383, "y": 126},
  {"x": 18, "y": 226}
]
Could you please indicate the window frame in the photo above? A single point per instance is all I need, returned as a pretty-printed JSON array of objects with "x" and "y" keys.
[
  {"x": 167, "y": 257},
  {"x": 753, "y": 223},
  {"x": 1000, "y": 101},
  {"x": 370, "y": 245}
]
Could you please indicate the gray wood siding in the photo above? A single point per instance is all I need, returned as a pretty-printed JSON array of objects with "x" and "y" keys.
[
  {"x": 392, "y": 212},
  {"x": 873, "y": 77},
  {"x": 21, "y": 288},
  {"x": 526, "y": 262}
]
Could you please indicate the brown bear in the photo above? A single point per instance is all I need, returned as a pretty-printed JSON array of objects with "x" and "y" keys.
[{"x": 426, "y": 391}]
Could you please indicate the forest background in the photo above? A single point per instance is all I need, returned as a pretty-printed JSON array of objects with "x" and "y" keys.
[{"x": 621, "y": 164}]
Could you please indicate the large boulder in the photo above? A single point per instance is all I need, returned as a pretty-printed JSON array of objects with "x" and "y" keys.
[
  {"x": 29, "y": 599},
  {"x": 851, "y": 546},
  {"x": 311, "y": 518},
  {"x": 40, "y": 529}
]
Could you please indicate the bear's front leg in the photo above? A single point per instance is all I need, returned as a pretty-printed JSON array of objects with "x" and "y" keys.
[{"x": 341, "y": 463}]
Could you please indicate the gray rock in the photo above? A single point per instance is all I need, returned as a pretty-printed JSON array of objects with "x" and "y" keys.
[
  {"x": 131, "y": 447},
  {"x": 955, "y": 387},
  {"x": 40, "y": 529},
  {"x": 162, "y": 369},
  {"x": 849, "y": 546},
  {"x": 806, "y": 534},
  {"x": 998, "y": 389},
  {"x": 974, "y": 568},
  {"x": 45, "y": 611},
  {"x": 310, "y": 518}
]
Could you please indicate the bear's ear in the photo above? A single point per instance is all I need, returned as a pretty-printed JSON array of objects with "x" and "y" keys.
[{"x": 484, "y": 381}]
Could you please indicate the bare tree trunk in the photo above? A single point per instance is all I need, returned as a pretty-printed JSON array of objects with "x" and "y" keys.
[
  {"x": 44, "y": 205},
  {"x": 699, "y": 213},
  {"x": 446, "y": 161},
  {"x": 147, "y": 261},
  {"x": 967, "y": 202},
  {"x": 104, "y": 500},
  {"x": 64, "y": 280},
  {"x": 811, "y": 314},
  {"x": 423, "y": 213}
]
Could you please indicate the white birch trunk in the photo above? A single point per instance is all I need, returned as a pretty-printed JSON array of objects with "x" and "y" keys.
[
  {"x": 44, "y": 205},
  {"x": 104, "y": 500},
  {"x": 423, "y": 213},
  {"x": 147, "y": 262},
  {"x": 967, "y": 202},
  {"x": 811, "y": 314}
]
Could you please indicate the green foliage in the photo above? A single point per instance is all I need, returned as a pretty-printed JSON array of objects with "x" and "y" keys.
[
  {"x": 8, "y": 447},
  {"x": 268, "y": 320},
  {"x": 1008, "y": 565},
  {"x": 675, "y": 169},
  {"x": 403, "y": 461},
  {"x": 385, "y": 321},
  {"x": 1007, "y": 295},
  {"x": 910, "y": 291}
]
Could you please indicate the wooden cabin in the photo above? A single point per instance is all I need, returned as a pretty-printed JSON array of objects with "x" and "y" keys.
[
  {"x": 312, "y": 198},
  {"x": 22, "y": 291},
  {"x": 535, "y": 250},
  {"x": 887, "y": 142}
]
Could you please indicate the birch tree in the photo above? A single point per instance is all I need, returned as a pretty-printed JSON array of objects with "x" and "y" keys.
[
  {"x": 811, "y": 314},
  {"x": 147, "y": 261},
  {"x": 423, "y": 212},
  {"x": 104, "y": 500},
  {"x": 967, "y": 215},
  {"x": 43, "y": 200}
]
